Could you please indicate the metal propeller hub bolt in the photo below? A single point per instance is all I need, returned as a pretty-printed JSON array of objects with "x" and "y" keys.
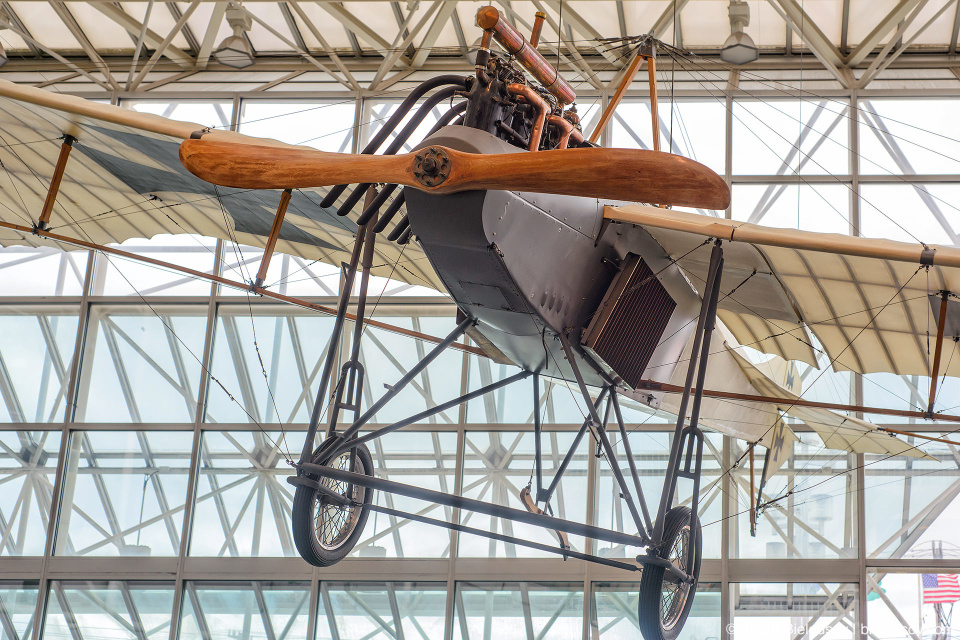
[{"x": 432, "y": 166}]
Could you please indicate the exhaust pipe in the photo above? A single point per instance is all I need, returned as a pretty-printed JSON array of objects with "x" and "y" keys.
[{"x": 490, "y": 20}]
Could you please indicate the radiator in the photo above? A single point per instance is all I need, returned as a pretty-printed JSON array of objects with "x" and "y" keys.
[{"x": 627, "y": 327}]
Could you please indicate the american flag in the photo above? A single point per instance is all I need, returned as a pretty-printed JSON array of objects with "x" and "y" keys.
[{"x": 940, "y": 587}]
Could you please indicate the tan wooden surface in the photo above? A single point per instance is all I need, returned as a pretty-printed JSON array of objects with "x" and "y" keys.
[{"x": 612, "y": 174}]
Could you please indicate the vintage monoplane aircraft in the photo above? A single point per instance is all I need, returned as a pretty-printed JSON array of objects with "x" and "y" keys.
[{"x": 536, "y": 234}]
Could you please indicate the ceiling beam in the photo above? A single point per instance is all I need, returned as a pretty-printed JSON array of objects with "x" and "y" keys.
[
  {"x": 885, "y": 26},
  {"x": 303, "y": 52},
  {"x": 844, "y": 27},
  {"x": 71, "y": 23},
  {"x": 158, "y": 52},
  {"x": 210, "y": 37},
  {"x": 886, "y": 57},
  {"x": 813, "y": 37},
  {"x": 956, "y": 30},
  {"x": 659, "y": 28},
  {"x": 28, "y": 38},
  {"x": 292, "y": 25},
  {"x": 462, "y": 39},
  {"x": 15, "y": 19},
  {"x": 355, "y": 25},
  {"x": 326, "y": 47},
  {"x": 586, "y": 72},
  {"x": 430, "y": 37},
  {"x": 150, "y": 38},
  {"x": 186, "y": 31},
  {"x": 566, "y": 13},
  {"x": 397, "y": 49}
]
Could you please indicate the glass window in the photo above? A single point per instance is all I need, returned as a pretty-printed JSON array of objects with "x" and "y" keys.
[
  {"x": 418, "y": 458},
  {"x": 911, "y": 605},
  {"x": 287, "y": 274},
  {"x": 118, "y": 276},
  {"x": 42, "y": 271},
  {"x": 254, "y": 610},
  {"x": 933, "y": 215},
  {"x": 615, "y": 612},
  {"x": 28, "y": 464},
  {"x": 767, "y": 136},
  {"x": 388, "y": 357},
  {"x": 327, "y": 126},
  {"x": 243, "y": 500},
  {"x": 651, "y": 449},
  {"x": 141, "y": 364},
  {"x": 376, "y": 114},
  {"x": 124, "y": 493},
  {"x": 811, "y": 504},
  {"x": 120, "y": 610},
  {"x": 515, "y": 610},
  {"x": 266, "y": 363},
  {"x": 909, "y": 135},
  {"x": 381, "y": 610},
  {"x": 214, "y": 114},
  {"x": 812, "y": 207},
  {"x": 36, "y": 353},
  {"x": 785, "y": 611},
  {"x": 18, "y": 603},
  {"x": 910, "y": 504},
  {"x": 513, "y": 404},
  {"x": 697, "y": 129},
  {"x": 498, "y": 465}
]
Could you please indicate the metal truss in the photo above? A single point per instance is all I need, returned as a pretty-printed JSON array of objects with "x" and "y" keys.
[{"x": 165, "y": 46}]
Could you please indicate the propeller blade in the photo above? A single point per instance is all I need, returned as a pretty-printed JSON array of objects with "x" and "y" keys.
[{"x": 632, "y": 175}]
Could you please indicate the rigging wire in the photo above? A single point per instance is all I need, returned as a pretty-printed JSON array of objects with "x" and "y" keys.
[
  {"x": 800, "y": 177},
  {"x": 825, "y": 136}
]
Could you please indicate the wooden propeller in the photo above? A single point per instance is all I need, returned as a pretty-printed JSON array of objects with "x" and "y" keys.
[{"x": 614, "y": 174}]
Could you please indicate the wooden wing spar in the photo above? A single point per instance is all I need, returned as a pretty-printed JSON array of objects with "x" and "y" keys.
[{"x": 612, "y": 174}]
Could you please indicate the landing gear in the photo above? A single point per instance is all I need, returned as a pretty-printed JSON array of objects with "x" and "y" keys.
[
  {"x": 665, "y": 600},
  {"x": 325, "y": 530}
]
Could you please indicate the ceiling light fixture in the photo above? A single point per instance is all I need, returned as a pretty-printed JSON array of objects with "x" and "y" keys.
[
  {"x": 739, "y": 47},
  {"x": 235, "y": 50}
]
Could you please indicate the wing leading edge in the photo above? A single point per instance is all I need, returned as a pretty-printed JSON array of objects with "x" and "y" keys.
[{"x": 124, "y": 180}]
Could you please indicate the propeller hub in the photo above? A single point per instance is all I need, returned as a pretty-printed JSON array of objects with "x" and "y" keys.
[{"x": 432, "y": 166}]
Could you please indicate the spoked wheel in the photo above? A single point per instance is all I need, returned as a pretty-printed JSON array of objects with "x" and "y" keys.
[
  {"x": 665, "y": 601},
  {"x": 323, "y": 530}
]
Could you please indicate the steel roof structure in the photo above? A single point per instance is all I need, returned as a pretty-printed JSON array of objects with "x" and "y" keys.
[{"x": 372, "y": 44}]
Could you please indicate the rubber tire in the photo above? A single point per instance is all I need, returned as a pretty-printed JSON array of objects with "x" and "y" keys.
[
  {"x": 651, "y": 581},
  {"x": 304, "y": 511}
]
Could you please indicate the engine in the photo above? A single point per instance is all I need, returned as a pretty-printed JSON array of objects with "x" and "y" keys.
[{"x": 501, "y": 101}]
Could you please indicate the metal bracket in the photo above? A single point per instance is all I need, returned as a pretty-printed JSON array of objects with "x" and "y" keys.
[{"x": 432, "y": 166}]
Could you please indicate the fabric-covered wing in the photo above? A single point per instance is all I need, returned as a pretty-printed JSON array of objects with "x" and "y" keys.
[
  {"x": 124, "y": 180},
  {"x": 731, "y": 371},
  {"x": 869, "y": 303},
  {"x": 840, "y": 432}
]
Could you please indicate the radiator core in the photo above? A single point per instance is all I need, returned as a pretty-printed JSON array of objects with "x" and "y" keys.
[{"x": 630, "y": 322}]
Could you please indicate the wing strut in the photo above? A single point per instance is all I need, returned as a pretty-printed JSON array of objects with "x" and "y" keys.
[
  {"x": 272, "y": 239},
  {"x": 941, "y": 323},
  {"x": 44, "y": 222}
]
